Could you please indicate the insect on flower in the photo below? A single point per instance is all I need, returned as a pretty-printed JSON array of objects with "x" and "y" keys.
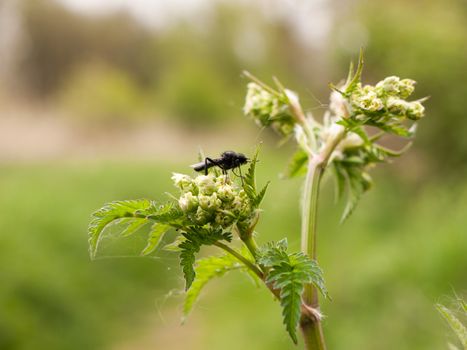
[{"x": 228, "y": 160}]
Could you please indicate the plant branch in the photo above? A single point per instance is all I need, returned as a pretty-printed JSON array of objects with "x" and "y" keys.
[
  {"x": 240, "y": 257},
  {"x": 251, "y": 245}
]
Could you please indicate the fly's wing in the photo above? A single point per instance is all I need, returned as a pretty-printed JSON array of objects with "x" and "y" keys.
[
  {"x": 199, "y": 166},
  {"x": 208, "y": 163}
]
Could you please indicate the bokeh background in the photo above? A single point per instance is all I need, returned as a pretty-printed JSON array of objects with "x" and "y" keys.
[{"x": 102, "y": 100}]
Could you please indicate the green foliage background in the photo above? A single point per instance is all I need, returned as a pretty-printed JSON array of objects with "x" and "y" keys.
[
  {"x": 402, "y": 251},
  {"x": 384, "y": 268}
]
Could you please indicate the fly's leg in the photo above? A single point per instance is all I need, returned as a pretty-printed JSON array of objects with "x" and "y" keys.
[
  {"x": 239, "y": 175},
  {"x": 212, "y": 161}
]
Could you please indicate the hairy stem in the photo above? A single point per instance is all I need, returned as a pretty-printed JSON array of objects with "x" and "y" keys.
[
  {"x": 240, "y": 257},
  {"x": 311, "y": 326},
  {"x": 309, "y": 214}
]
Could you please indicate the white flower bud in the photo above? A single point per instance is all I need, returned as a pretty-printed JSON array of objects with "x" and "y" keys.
[
  {"x": 209, "y": 203},
  {"x": 225, "y": 193},
  {"x": 222, "y": 180},
  {"x": 202, "y": 217},
  {"x": 258, "y": 101},
  {"x": 406, "y": 87},
  {"x": 223, "y": 220},
  {"x": 188, "y": 202},
  {"x": 397, "y": 106},
  {"x": 182, "y": 181},
  {"x": 389, "y": 86},
  {"x": 415, "y": 110},
  {"x": 205, "y": 183},
  {"x": 368, "y": 101}
]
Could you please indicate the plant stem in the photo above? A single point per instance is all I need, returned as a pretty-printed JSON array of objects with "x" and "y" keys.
[
  {"x": 309, "y": 214},
  {"x": 251, "y": 245},
  {"x": 312, "y": 332},
  {"x": 240, "y": 257},
  {"x": 311, "y": 326}
]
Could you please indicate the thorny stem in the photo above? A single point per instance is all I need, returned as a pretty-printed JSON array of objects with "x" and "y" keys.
[{"x": 240, "y": 257}]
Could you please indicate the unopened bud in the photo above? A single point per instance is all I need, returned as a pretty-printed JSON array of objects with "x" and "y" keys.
[
  {"x": 205, "y": 183},
  {"x": 188, "y": 202},
  {"x": 415, "y": 110},
  {"x": 406, "y": 87},
  {"x": 389, "y": 86}
]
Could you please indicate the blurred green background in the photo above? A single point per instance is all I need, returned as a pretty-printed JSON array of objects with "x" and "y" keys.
[{"x": 102, "y": 102}]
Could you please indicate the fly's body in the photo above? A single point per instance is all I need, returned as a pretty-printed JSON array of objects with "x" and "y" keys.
[{"x": 228, "y": 160}]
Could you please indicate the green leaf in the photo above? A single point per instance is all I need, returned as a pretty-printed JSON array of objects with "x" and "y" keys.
[
  {"x": 207, "y": 269},
  {"x": 260, "y": 196},
  {"x": 359, "y": 182},
  {"x": 350, "y": 86},
  {"x": 188, "y": 249},
  {"x": 341, "y": 180},
  {"x": 290, "y": 273},
  {"x": 109, "y": 213},
  {"x": 175, "y": 245},
  {"x": 134, "y": 225},
  {"x": 297, "y": 164},
  {"x": 135, "y": 214},
  {"x": 392, "y": 127},
  {"x": 249, "y": 183},
  {"x": 167, "y": 213},
  {"x": 249, "y": 180},
  {"x": 459, "y": 329},
  {"x": 155, "y": 236},
  {"x": 195, "y": 237}
]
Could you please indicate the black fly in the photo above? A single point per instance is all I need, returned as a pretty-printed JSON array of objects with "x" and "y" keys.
[{"x": 228, "y": 160}]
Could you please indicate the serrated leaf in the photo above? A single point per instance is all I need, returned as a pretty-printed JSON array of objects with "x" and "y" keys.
[
  {"x": 188, "y": 249},
  {"x": 155, "y": 236},
  {"x": 260, "y": 196},
  {"x": 109, "y": 213},
  {"x": 168, "y": 213},
  {"x": 359, "y": 182},
  {"x": 249, "y": 183},
  {"x": 289, "y": 273},
  {"x": 195, "y": 237},
  {"x": 291, "y": 302},
  {"x": 207, "y": 269},
  {"x": 134, "y": 225},
  {"x": 459, "y": 329},
  {"x": 249, "y": 180},
  {"x": 297, "y": 164},
  {"x": 175, "y": 245}
]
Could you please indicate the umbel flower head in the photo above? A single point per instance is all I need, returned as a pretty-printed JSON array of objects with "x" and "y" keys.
[
  {"x": 213, "y": 200},
  {"x": 268, "y": 108},
  {"x": 386, "y": 99}
]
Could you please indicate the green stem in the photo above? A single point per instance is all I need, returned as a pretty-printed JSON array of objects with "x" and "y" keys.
[
  {"x": 251, "y": 245},
  {"x": 240, "y": 257},
  {"x": 312, "y": 332},
  {"x": 309, "y": 222},
  {"x": 311, "y": 326}
]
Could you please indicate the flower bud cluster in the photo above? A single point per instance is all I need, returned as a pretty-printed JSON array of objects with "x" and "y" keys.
[
  {"x": 214, "y": 200},
  {"x": 268, "y": 109},
  {"x": 388, "y": 97}
]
